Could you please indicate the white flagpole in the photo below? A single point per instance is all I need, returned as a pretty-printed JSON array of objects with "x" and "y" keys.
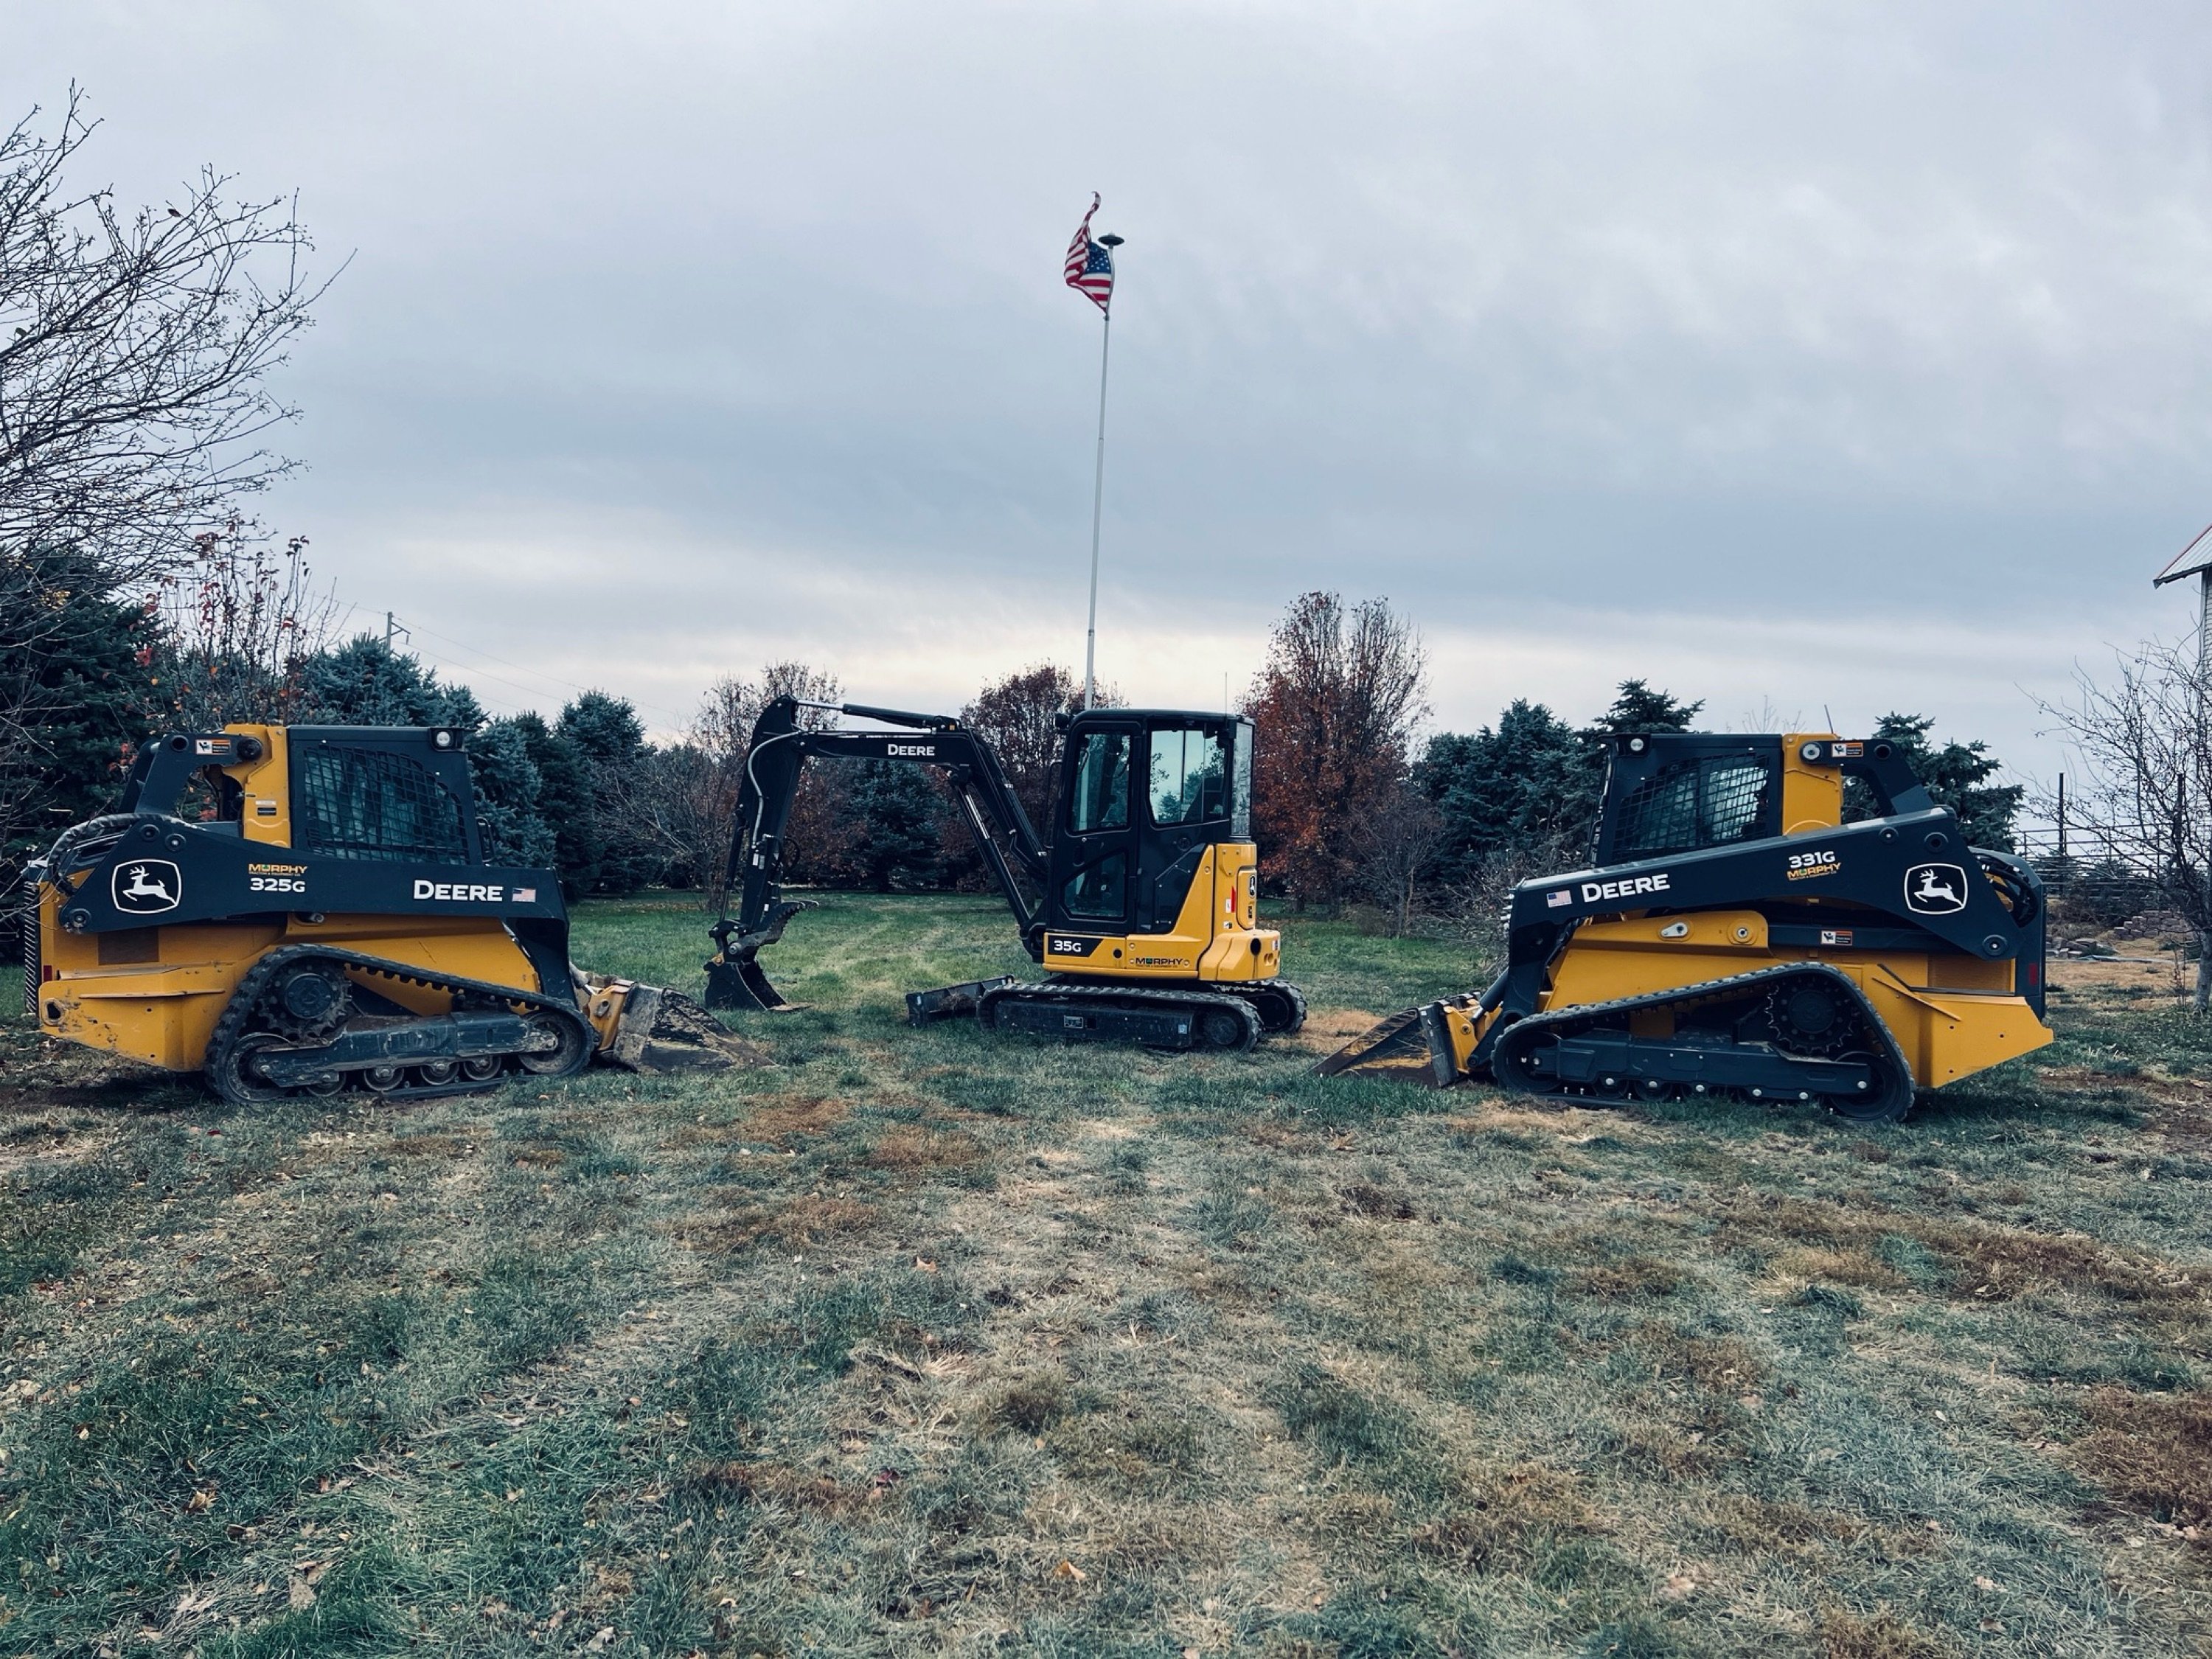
[{"x": 1097, "y": 502}]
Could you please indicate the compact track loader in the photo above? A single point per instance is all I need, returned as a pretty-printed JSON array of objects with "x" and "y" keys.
[
  {"x": 1733, "y": 936},
  {"x": 1142, "y": 906},
  {"x": 306, "y": 910}
]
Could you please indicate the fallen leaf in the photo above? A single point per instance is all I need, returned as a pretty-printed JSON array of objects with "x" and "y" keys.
[
  {"x": 1678, "y": 1587},
  {"x": 1069, "y": 1569},
  {"x": 1751, "y": 1402},
  {"x": 301, "y": 1595},
  {"x": 597, "y": 1643},
  {"x": 199, "y": 1502},
  {"x": 923, "y": 1264},
  {"x": 1982, "y": 1583}
]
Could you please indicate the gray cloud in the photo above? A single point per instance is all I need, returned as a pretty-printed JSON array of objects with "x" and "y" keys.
[{"x": 1822, "y": 355}]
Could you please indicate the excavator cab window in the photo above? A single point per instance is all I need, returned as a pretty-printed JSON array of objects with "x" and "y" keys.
[
  {"x": 1100, "y": 800},
  {"x": 358, "y": 802},
  {"x": 1189, "y": 783}
]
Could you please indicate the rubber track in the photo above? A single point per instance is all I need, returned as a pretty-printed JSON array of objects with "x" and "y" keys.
[
  {"x": 1252, "y": 992},
  {"x": 1077, "y": 995},
  {"x": 1705, "y": 991},
  {"x": 231, "y": 1026}
]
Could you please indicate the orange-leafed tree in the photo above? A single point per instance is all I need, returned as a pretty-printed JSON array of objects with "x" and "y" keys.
[{"x": 1336, "y": 703}]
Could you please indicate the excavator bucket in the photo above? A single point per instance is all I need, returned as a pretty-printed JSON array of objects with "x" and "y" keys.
[{"x": 735, "y": 978}]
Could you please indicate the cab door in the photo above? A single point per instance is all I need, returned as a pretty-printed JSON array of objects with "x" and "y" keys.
[
  {"x": 1186, "y": 811},
  {"x": 1093, "y": 856}
]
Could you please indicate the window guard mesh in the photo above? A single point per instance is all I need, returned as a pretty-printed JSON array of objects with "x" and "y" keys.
[{"x": 372, "y": 804}]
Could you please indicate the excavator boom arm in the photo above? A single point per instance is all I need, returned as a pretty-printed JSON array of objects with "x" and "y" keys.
[{"x": 777, "y": 755}]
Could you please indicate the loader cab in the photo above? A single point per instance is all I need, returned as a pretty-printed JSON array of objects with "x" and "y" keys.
[
  {"x": 1677, "y": 792},
  {"x": 1143, "y": 794},
  {"x": 397, "y": 795}
]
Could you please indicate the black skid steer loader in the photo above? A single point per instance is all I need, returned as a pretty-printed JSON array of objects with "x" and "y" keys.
[
  {"x": 307, "y": 910},
  {"x": 1735, "y": 937}
]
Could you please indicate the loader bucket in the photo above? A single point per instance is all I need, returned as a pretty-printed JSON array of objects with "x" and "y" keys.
[{"x": 1392, "y": 1041}]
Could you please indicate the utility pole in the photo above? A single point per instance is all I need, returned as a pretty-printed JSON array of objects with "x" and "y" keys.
[
  {"x": 391, "y": 628},
  {"x": 1110, "y": 241}
]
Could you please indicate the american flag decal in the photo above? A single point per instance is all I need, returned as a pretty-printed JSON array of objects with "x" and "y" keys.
[{"x": 1091, "y": 264}]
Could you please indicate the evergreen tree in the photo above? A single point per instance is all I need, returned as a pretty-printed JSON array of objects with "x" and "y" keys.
[
  {"x": 897, "y": 810},
  {"x": 92, "y": 686},
  {"x": 1957, "y": 774},
  {"x": 507, "y": 792},
  {"x": 607, "y": 736},
  {"x": 1501, "y": 792},
  {"x": 365, "y": 681},
  {"x": 1528, "y": 792},
  {"x": 564, "y": 801}
]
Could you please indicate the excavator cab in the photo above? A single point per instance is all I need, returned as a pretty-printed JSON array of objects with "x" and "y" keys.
[
  {"x": 1141, "y": 900},
  {"x": 1154, "y": 807}
]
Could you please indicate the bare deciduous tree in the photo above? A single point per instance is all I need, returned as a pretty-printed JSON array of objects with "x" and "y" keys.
[
  {"x": 690, "y": 790},
  {"x": 240, "y": 621},
  {"x": 2145, "y": 743},
  {"x": 1397, "y": 848},
  {"x": 135, "y": 352}
]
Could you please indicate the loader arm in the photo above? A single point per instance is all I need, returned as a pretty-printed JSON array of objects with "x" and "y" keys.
[{"x": 776, "y": 758}]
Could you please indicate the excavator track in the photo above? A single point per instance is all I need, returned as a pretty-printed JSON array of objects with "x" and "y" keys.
[
  {"x": 1181, "y": 1020},
  {"x": 1742, "y": 1047},
  {"x": 474, "y": 1048},
  {"x": 1280, "y": 1006}
]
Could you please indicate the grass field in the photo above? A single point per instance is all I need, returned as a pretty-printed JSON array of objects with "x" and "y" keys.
[{"x": 918, "y": 1343}]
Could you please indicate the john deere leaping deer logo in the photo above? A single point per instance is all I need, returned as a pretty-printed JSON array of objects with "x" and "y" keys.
[
  {"x": 1936, "y": 889},
  {"x": 145, "y": 887}
]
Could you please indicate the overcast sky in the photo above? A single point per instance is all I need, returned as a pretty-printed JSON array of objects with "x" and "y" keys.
[{"x": 1843, "y": 356}]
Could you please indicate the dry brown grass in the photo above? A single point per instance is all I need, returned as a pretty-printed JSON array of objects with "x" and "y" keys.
[
  {"x": 782, "y": 1119},
  {"x": 916, "y": 1146},
  {"x": 1881, "y": 1635},
  {"x": 808, "y": 1218},
  {"x": 1631, "y": 1276}
]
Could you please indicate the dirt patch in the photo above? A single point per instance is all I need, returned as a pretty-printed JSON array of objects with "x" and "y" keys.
[
  {"x": 2153, "y": 1452},
  {"x": 796, "y": 1222}
]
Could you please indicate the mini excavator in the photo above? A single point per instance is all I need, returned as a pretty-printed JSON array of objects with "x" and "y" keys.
[
  {"x": 322, "y": 922},
  {"x": 1142, "y": 906},
  {"x": 1736, "y": 936}
]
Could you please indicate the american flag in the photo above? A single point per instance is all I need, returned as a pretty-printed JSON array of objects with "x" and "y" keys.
[{"x": 1091, "y": 264}]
